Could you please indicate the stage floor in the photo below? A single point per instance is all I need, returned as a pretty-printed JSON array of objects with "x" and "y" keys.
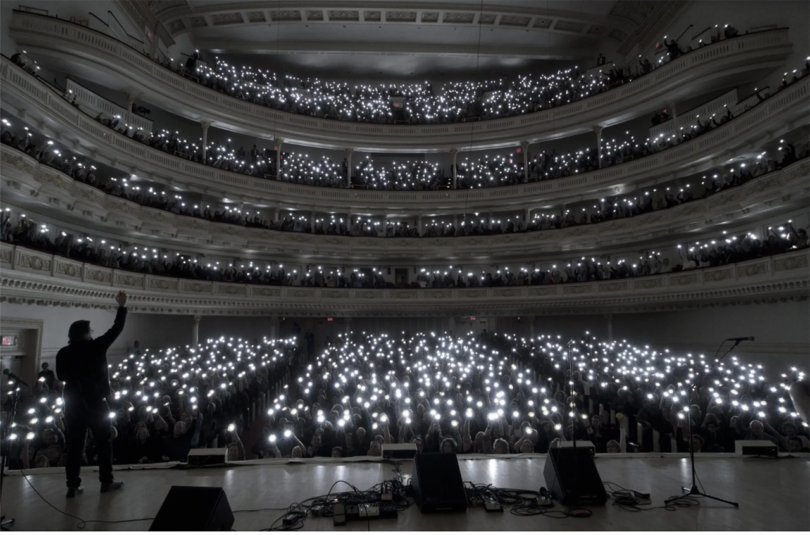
[{"x": 774, "y": 494}]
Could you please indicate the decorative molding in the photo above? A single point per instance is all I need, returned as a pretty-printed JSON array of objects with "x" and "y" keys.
[
  {"x": 742, "y": 283},
  {"x": 670, "y": 222},
  {"x": 682, "y": 78}
]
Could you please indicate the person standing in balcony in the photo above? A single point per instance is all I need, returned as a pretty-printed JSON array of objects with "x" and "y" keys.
[{"x": 82, "y": 367}]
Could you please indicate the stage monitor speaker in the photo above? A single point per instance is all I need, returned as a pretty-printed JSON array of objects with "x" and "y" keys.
[
  {"x": 437, "y": 484},
  {"x": 194, "y": 509},
  {"x": 756, "y": 447},
  {"x": 572, "y": 478}
]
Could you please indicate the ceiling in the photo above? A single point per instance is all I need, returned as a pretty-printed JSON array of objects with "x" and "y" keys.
[{"x": 401, "y": 38}]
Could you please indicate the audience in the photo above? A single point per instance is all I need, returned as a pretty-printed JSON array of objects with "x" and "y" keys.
[{"x": 492, "y": 394}]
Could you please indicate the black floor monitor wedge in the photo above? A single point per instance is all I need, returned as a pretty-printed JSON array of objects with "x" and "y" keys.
[
  {"x": 437, "y": 485},
  {"x": 194, "y": 509},
  {"x": 572, "y": 479}
]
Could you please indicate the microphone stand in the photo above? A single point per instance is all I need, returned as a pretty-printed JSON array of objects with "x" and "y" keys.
[
  {"x": 4, "y": 451},
  {"x": 693, "y": 490}
]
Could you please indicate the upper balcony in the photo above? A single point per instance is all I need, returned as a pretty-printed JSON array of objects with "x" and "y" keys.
[
  {"x": 110, "y": 62},
  {"x": 33, "y": 99}
]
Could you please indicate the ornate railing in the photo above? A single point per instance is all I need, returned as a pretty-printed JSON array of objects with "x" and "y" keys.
[
  {"x": 34, "y": 277},
  {"x": 25, "y": 178},
  {"x": 684, "y": 77},
  {"x": 780, "y": 113}
]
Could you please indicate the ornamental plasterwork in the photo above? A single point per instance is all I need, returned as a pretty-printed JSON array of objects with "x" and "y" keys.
[
  {"x": 613, "y": 286},
  {"x": 344, "y": 14},
  {"x": 240, "y": 289},
  {"x": 515, "y": 20},
  {"x": 372, "y": 16},
  {"x": 787, "y": 264},
  {"x": 68, "y": 269},
  {"x": 162, "y": 284},
  {"x": 255, "y": 16},
  {"x": 684, "y": 280},
  {"x": 752, "y": 270},
  {"x": 403, "y": 294},
  {"x": 196, "y": 287},
  {"x": 314, "y": 14},
  {"x": 401, "y": 16},
  {"x": 368, "y": 294},
  {"x": 569, "y": 26},
  {"x": 578, "y": 289},
  {"x": 98, "y": 275},
  {"x": 646, "y": 284},
  {"x": 430, "y": 16},
  {"x": 34, "y": 262},
  {"x": 438, "y": 294},
  {"x": 129, "y": 280},
  {"x": 285, "y": 14},
  {"x": 471, "y": 293},
  {"x": 459, "y": 18},
  {"x": 508, "y": 292},
  {"x": 719, "y": 275},
  {"x": 6, "y": 255},
  {"x": 542, "y": 290},
  {"x": 226, "y": 18},
  {"x": 266, "y": 292}
]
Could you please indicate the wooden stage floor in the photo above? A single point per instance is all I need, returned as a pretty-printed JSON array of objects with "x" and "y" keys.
[{"x": 774, "y": 494}]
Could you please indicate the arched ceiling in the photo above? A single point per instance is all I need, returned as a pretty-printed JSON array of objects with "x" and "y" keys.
[{"x": 384, "y": 31}]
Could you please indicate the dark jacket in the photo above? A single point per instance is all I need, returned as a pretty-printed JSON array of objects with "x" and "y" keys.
[{"x": 82, "y": 365}]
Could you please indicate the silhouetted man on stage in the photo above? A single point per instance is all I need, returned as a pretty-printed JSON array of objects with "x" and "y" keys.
[{"x": 82, "y": 367}]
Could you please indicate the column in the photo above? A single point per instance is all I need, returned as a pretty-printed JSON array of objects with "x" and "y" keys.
[
  {"x": 347, "y": 325},
  {"x": 274, "y": 327},
  {"x": 205, "y": 125},
  {"x": 130, "y": 102},
  {"x": 610, "y": 327},
  {"x": 419, "y": 225},
  {"x": 349, "y": 153},
  {"x": 528, "y": 220},
  {"x": 312, "y": 221},
  {"x": 524, "y": 148},
  {"x": 276, "y": 213},
  {"x": 454, "y": 154},
  {"x": 673, "y": 115},
  {"x": 452, "y": 325},
  {"x": 598, "y": 131},
  {"x": 531, "y": 327},
  {"x": 279, "y": 145},
  {"x": 195, "y": 330}
]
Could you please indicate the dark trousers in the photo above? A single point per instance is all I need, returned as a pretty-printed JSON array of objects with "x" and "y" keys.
[{"x": 79, "y": 416}]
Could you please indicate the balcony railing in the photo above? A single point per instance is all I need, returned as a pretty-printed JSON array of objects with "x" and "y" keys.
[
  {"x": 788, "y": 185},
  {"x": 686, "y": 76},
  {"x": 32, "y": 277},
  {"x": 780, "y": 113}
]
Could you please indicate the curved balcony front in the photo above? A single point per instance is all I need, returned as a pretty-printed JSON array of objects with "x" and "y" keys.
[
  {"x": 38, "y": 278},
  {"x": 97, "y": 56},
  {"x": 32, "y": 184},
  {"x": 29, "y": 97}
]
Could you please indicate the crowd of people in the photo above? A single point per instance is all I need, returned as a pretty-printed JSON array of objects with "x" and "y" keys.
[
  {"x": 111, "y": 253},
  {"x": 486, "y": 394},
  {"x": 301, "y": 168},
  {"x": 417, "y": 103}
]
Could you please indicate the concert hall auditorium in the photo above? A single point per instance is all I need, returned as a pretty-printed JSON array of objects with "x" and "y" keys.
[{"x": 435, "y": 265}]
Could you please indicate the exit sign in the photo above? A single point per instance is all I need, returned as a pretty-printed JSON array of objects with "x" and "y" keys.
[
  {"x": 9, "y": 341},
  {"x": 472, "y": 318}
]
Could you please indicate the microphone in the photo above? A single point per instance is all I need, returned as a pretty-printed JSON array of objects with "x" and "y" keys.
[
  {"x": 741, "y": 339},
  {"x": 14, "y": 377}
]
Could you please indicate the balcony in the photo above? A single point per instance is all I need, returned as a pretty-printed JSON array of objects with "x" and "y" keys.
[
  {"x": 31, "y": 184},
  {"x": 112, "y": 63},
  {"x": 33, "y": 277},
  {"x": 28, "y": 97}
]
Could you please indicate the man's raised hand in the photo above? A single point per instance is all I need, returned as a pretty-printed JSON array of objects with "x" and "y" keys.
[{"x": 121, "y": 298}]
